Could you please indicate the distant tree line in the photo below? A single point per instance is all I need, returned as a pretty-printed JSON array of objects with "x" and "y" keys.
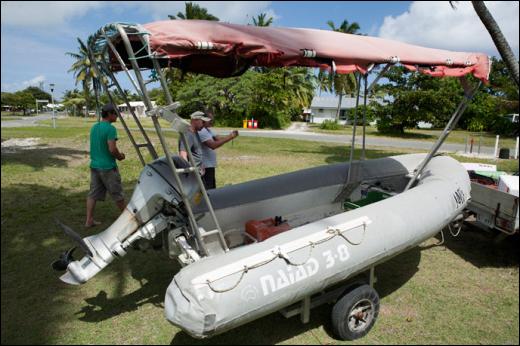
[
  {"x": 413, "y": 97},
  {"x": 24, "y": 100}
]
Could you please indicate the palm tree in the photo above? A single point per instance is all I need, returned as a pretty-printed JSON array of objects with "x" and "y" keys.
[
  {"x": 72, "y": 99},
  {"x": 498, "y": 38},
  {"x": 496, "y": 35},
  {"x": 194, "y": 11},
  {"x": 301, "y": 83},
  {"x": 343, "y": 84},
  {"x": 345, "y": 27},
  {"x": 82, "y": 68},
  {"x": 262, "y": 20},
  {"x": 324, "y": 81}
]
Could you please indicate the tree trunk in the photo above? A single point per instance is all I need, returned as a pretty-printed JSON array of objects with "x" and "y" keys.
[
  {"x": 339, "y": 107},
  {"x": 498, "y": 38}
]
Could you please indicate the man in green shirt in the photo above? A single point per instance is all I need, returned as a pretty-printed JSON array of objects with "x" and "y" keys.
[{"x": 104, "y": 175}]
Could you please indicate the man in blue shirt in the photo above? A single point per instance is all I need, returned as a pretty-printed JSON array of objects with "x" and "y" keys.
[{"x": 104, "y": 175}]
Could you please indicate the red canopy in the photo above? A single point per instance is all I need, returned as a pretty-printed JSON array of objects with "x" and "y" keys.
[{"x": 224, "y": 50}]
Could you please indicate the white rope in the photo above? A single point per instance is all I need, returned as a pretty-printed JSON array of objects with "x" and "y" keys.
[
  {"x": 350, "y": 242},
  {"x": 442, "y": 240},
  {"x": 246, "y": 269},
  {"x": 458, "y": 230},
  {"x": 289, "y": 261},
  {"x": 278, "y": 253}
]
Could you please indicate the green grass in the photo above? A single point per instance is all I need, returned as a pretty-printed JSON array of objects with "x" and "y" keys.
[
  {"x": 14, "y": 115},
  {"x": 457, "y": 136},
  {"x": 465, "y": 292}
]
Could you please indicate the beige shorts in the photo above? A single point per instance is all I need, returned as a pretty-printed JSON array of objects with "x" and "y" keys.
[{"x": 103, "y": 180}]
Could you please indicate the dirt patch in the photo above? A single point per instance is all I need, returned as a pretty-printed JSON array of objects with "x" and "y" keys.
[
  {"x": 15, "y": 145},
  {"x": 32, "y": 150}
]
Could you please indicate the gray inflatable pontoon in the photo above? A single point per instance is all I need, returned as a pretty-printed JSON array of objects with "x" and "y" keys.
[
  {"x": 328, "y": 246},
  {"x": 331, "y": 238}
]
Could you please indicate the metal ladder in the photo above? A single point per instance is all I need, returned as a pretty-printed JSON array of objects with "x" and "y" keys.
[
  {"x": 166, "y": 112},
  {"x": 137, "y": 146},
  {"x": 182, "y": 126}
]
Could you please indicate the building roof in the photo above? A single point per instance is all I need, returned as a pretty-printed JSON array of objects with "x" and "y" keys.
[
  {"x": 135, "y": 104},
  {"x": 332, "y": 102}
]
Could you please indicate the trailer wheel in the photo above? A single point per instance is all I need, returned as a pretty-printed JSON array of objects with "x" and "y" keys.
[{"x": 355, "y": 313}]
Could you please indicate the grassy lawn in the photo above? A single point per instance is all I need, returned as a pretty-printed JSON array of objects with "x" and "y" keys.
[
  {"x": 5, "y": 114},
  {"x": 464, "y": 292},
  {"x": 11, "y": 115},
  {"x": 457, "y": 136}
]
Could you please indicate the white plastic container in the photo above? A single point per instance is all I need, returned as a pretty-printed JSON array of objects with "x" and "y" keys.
[{"x": 509, "y": 184}]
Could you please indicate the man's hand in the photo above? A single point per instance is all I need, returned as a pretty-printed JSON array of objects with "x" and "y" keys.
[{"x": 112, "y": 147}]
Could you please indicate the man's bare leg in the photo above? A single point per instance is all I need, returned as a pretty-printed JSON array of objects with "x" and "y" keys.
[{"x": 91, "y": 204}]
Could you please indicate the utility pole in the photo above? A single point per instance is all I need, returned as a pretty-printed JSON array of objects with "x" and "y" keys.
[{"x": 53, "y": 106}]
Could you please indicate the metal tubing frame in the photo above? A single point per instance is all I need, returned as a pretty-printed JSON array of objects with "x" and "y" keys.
[
  {"x": 354, "y": 130},
  {"x": 365, "y": 96},
  {"x": 149, "y": 145},
  {"x": 190, "y": 156},
  {"x": 365, "y": 77},
  {"x": 147, "y": 101},
  {"x": 105, "y": 87},
  {"x": 122, "y": 63},
  {"x": 468, "y": 96},
  {"x": 379, "y": 76}
]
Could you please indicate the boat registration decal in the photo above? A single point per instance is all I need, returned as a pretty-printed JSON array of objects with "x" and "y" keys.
[{"x": 459, "y": 196}]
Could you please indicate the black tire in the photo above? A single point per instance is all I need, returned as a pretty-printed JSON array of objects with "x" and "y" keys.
[{"x": 355, "y": 313}]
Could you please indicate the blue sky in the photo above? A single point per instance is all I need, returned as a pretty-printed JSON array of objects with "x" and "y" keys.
[{"x": 36, "y": 35}]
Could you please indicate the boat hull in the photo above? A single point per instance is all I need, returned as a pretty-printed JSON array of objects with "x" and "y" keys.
[{"x": 224, "y": 291}]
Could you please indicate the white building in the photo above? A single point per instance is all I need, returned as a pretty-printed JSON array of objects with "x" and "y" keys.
[
  {"x": 325, "y": 108},
  {"x": 57, "y": 106},
  {"x": 137, "y": 106}
]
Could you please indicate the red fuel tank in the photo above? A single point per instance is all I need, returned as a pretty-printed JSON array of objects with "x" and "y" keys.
[{"x": 263, "y": 229}]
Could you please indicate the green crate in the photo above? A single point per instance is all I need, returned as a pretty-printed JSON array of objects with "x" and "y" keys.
[{"x": 372, "y": 197}]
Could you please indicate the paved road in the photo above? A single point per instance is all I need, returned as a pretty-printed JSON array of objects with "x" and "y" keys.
[
  {"x": 370, "y": 141},
  {"x": 296, "y": 132},
  {"x": 30, "y": 121}
]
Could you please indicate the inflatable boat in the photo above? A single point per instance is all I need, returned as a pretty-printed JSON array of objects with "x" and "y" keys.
[{"x": 283, "y": 243}]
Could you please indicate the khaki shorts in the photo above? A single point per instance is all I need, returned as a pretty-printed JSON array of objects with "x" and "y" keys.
[{"x": 103, "y": 180}]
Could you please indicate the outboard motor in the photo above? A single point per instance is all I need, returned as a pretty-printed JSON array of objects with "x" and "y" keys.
[{"x": 156, "y": 205}]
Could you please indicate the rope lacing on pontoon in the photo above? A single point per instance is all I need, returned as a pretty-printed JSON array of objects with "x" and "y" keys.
[{"x": 278, "y": 253}]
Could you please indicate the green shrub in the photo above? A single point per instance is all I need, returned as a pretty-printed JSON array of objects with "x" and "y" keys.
[{"x": 330, "y": 125}]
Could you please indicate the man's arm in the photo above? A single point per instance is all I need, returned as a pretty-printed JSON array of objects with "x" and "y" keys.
[
  {"x": 183, "y": 154},
  {"x": 219, "y": 141},
  {"x": 112, "y": 147}
]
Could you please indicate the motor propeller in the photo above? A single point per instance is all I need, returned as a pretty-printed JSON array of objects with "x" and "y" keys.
[
  {"x": 75, "y": 236},
  {"x": 66, "y": 257},
  {"x": 62, "y": 263}
]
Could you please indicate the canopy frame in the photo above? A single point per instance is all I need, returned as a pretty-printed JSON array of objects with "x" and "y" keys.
[
  {"x": 142, "y": 90},
  {"x": 103, "y": 43}
]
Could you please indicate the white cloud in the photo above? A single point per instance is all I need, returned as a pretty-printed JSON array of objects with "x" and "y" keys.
[
  {"x": 435, "y": 24},
  {"x": 24, "y": 84},
  {"x": 239, "y": 12},
  {"x": 56, "y": 14},
  {"x": 34, "y": 82},
  {"x": 44, "y": 13}
]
